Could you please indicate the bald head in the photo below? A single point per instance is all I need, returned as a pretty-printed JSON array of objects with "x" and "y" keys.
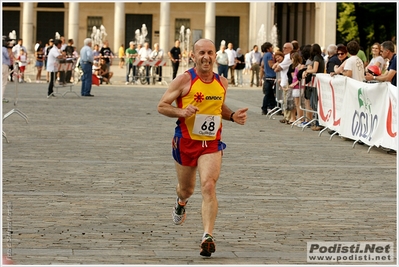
[
  {"x": 202, "y": 42},
  {"x": 287, "y": 48}
]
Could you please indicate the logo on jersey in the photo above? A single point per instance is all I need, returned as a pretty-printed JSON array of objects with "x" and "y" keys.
[
  {"x": 199, "y": 97},
  {"x": 213, "y": 97}
]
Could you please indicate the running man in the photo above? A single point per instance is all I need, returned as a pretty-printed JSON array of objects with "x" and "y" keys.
[{"x": 200, "y": 95}]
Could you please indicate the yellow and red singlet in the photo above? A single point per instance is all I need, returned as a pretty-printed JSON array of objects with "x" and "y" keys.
[{"x": 206, "y": 124}]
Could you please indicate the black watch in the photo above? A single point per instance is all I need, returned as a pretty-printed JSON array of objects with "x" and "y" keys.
[{"x": 231, "y": 117}]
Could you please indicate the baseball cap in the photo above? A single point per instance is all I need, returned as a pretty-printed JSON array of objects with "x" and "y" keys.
[{"x": 51, "y": 40}]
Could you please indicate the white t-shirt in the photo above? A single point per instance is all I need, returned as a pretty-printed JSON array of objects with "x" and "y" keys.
[
  {"x": 231, "y": 54},
  {"x": 52, "y": 65},
  {"x": 284, "y": 66},
  {"x": 355, "y": 64},
  {"x": 144, "y": 54},
  {"x": 380, "y": 60},
  {"x": 157, "y": 55}
]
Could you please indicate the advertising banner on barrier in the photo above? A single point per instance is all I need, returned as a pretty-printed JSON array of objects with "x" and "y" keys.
[
  {"x": 365, "y": 112},
  {"x": 358, "y": 110},
  {"x": 331, "y": 91},
  {"x": 390, "y": 139}
]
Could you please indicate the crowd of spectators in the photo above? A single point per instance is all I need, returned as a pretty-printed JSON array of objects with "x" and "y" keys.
[{"x": 285, "y": 70}]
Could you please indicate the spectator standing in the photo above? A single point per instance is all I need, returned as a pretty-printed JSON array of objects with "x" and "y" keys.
[
  {"x": 255, "y": 58},
  {"x": 232, "y": 54},
  {"x": 5, "y": 63},
  {"x": 54, "y": 55},
  {"x": 22, "y": 62},
  {"x": 318, "y": 66},
  {"x": 362, "y": 56},
  {"x": 157, "y": 55},
  {"x": 239, "y": 68},
  {"x": 106, "y": 53},
  {"x": 39, "y": 54},
  {"x": 222, "y": 60},
  {"x": 144, "y": 54},
  {"x": 377, "y": 59},
  {"x": 86, "y": 62},
  {"x": 17, "y": 49},
  {"x": 38, "y": 43},
  {"x": 175, "y": 56},
  {"x": 283, "y": 68},
  {"x": 294, "y": 86},
  {"x": 69, "y": 49},
  {"x": 269, "y": 78},
  {"x": 354, "y": 67},
  {"x": 46, "y": 52},
  {"x": 121, "y": 55},
  {"x": 247, "y": 63},
  {"x": 12, "y": 59},
  {"x": 62, "y": 74},
  {"x": 332, "y": 58},
  {"x": 96, "y": 53},
  {"x": 388, "y": 52},
  {"x": 131, "y": 54},
  {"x": 342, "y": 53}
]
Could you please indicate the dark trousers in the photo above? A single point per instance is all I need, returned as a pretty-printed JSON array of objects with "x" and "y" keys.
[
  {"x": 231, "y": 68},
  {"x": 68, "y": 76},
  {"x": 86, "y": 78},
  {"x": 62, "y": 77},
  {"x": 223, "y": 70},
  {"x": 269, "y": 100},
  {"x": 159, "y": 72},
  {"x": 175, "y": 66},
  {"x": 130, "y": 67},
  {"x": 51, "y": 84}
]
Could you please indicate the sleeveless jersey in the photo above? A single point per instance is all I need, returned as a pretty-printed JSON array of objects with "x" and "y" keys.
[{"x": 206, "y": 124}]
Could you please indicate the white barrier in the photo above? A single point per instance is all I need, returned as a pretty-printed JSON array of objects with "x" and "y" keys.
[{"x": 357, "y": 110}]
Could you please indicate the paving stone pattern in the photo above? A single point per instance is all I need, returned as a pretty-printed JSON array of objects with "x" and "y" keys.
[{"x": 92, "y": 181}]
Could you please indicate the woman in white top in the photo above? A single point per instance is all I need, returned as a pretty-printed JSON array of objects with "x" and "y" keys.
[{"x": 377, "y": 59}]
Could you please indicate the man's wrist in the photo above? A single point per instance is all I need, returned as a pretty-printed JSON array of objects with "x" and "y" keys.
[{"x": 231, "y": 116}]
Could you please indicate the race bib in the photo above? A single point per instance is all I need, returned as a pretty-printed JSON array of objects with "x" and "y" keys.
[{"x": 207, "y": 125}]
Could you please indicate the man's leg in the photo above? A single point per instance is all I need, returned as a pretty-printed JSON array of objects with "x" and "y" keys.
[
  {"x": 209, "y": 169},
  {"x": 51, "y": 84},
  {"x": 232, "y": 74},
  {"x": 186, "y": 178}
]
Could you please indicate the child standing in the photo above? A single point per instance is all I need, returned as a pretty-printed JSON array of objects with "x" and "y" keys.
[
  {"x": 22, "y": 62},
  {"x": 296, "y": 92}
]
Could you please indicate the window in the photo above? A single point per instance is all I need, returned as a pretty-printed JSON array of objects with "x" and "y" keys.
[{"x": 91, "y": 22}]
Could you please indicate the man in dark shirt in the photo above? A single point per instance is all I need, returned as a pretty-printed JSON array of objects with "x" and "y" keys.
[{"x": 175, "y": 56}]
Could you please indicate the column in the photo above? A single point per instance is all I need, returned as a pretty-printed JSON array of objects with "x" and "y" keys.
[
  {"x": 260, "y": 13},
  {"x": 325, "y": 28},
  {"x": 164, "y": 28},
  {"x": 210, "y": 21},
  {"x": 27, "y": 26},
  {"x": 119, "y": 26},
  {"x": 73, "y": 24}
]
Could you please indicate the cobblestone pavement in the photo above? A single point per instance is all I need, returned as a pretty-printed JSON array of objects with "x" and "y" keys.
[{"x": 92, "y": 181}]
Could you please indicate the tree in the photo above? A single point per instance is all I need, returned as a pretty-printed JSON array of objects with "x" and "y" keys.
[{"x": 366, "y": 22}]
